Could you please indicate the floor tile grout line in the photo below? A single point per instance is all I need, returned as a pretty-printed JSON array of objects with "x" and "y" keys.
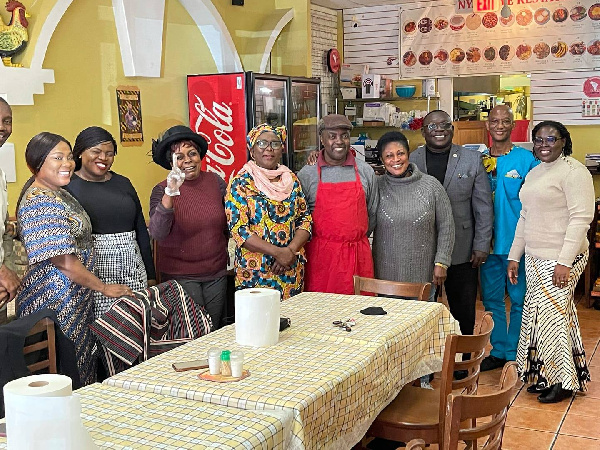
[{"x": 562, "y": 421}]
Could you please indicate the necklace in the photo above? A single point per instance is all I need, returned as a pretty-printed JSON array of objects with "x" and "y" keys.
[{"x": 105, "y": 178}]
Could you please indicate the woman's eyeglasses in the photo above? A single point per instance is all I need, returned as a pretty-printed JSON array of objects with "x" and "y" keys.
[
  {"x": 262, "y": 144},
  {"x": 442, "y": 125},
  {"x": 550, "y": 140}
]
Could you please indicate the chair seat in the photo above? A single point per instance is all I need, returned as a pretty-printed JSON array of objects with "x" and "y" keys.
[{"x": 412, "y": 406}]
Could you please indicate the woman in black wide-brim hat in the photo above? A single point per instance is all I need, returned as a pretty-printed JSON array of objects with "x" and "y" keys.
[{"x": 187, "y": 219}]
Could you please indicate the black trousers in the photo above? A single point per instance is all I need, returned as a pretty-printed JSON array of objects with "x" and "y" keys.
[
  {"x": 461, "y": 291},
  {"x": 210, "y": 294}
]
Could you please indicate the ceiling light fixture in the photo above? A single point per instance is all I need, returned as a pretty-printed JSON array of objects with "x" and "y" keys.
[{"x": 506, "y": 12}]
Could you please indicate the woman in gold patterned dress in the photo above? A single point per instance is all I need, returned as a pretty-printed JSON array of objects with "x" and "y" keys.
[
  {"x": 57, "y": 236},
  {"x": 268, "y": 217}
]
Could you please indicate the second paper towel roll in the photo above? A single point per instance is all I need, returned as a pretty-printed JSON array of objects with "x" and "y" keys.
[
  {"x": 257, "y": 317},
  {"x": 41, "y": 413}
]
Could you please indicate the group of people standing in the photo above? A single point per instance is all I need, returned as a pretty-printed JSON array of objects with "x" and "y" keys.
[{"x": 440, "y": 214}]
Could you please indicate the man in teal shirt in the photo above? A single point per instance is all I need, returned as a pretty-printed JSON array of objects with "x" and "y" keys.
[{"x": 506, "y": 165}]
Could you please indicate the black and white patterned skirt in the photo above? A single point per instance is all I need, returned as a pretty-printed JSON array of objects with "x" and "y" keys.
[
  {"x": 118, "y": 260},
  {"x": 550, "y": 347}
]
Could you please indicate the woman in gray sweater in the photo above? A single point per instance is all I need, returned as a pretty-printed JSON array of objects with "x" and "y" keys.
[{"x": 414, "y": 232}]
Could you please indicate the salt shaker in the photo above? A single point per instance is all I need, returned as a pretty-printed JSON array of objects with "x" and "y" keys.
[
  {"x": 214, "y": 361},
  {"x": 225, "y": 363},
  {"x": 237, "y": 363}
]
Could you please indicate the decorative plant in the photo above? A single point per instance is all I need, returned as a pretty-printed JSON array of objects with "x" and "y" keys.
[{"x": 521, "y": 105}]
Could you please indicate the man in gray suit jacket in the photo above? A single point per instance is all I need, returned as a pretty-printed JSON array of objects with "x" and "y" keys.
[{"x": 462, "y": 174}]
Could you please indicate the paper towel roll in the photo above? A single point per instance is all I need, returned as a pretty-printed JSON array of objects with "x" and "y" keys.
[
  {"x": 257, "y": 317},
  {"x": 41, "y": 413}
]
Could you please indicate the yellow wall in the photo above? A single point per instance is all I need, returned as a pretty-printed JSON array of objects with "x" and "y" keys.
[{"x": 84, "y": 54}]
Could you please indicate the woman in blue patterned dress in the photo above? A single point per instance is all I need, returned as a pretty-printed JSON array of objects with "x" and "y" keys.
[
  {"x": 268, "y": 217},
  {"x": 57, "y": 236}
]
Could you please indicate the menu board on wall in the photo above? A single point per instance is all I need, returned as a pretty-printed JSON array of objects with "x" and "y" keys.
[{"x": 540, "y": 36}]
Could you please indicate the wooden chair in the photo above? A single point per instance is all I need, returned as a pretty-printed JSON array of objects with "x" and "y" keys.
[
  {"x": 418, "y": 413},
  {"x": 46, "y": 340},
  {"x": 419, "y": 291},
  {"x": 469, "y": 408},
  {"x": 416, "y": 444}
]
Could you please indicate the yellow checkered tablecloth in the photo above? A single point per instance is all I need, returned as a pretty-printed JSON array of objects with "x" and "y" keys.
[
  {"x": 334, "y": 382},
  {"x": 122, "y": 419}
]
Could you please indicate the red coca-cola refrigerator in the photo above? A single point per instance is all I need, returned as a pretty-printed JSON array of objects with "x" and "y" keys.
[{"x": 223, "y": 107}]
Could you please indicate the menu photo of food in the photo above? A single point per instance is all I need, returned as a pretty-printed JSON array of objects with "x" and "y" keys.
[
  {"x": 506, "y": 52},
  {"x": 507, "y": 21},
  {"x": 457, "y": 55},
  {"x": 541, "y": 50},
  {"x": 490, "y": 20},
  {"x": 560, "y": 14},
  {"x": 523, "y": 51},
  {"x": 473, "y": 21},
  {"x": 441, "y": 56},
  {"x": 438, "y": 41},
  {"x": 409, "y": 59},
  {"x": 577, "y": 48},
  {"x": 457, "y": 22},
  {"x": 489, "y": 53},
  {"x": 441, "y": 23},
  {"x": 473, "y": 54},
  {"x": 410, "y": 27},
  {"x": 559, "y": 49},
  {"x": 594, "y": 47},
  {"x": 425, "y": 58},
  {"x": 425, "y": 25},
  {"x": 578, "y": 13},
  {"x": 524, "y": 17},
  {"x": 541, "y": 16}
]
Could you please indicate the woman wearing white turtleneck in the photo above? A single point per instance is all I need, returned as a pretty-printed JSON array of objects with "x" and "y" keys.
[{"x": 558, "y": 206}]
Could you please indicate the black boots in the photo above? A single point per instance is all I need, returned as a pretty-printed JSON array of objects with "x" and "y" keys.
[{"x": 555, "y": 394}]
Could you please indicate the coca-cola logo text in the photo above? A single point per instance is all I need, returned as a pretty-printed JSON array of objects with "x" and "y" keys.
[{"x": 220, "y": 155}]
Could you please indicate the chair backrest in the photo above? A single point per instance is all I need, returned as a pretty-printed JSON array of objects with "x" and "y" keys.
[
  {"x": 419, "y": 291},
  {"x": 416, "y": 444},
  {"x": 46, "y": 340},
  {"x": 468, "y": 408},
  {"x": 456, "y": 345}
]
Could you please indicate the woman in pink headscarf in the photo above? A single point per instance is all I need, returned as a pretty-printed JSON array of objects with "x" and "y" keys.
[{"x": 268, "y": 217}]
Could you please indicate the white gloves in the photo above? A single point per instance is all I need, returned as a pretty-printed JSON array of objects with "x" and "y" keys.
[{"x": 175, "y": 179}]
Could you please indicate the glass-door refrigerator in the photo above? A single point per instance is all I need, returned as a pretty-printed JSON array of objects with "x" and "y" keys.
[
  {"x": 306, "y": 112},
  {"x": 223, "y": 107}
]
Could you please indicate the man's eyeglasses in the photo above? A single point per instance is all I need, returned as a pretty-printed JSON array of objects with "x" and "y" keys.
[
  {"x": 550, "y": 140},
  {"x": 262, "y": 144},
  {"x": 442, "y": 125}
]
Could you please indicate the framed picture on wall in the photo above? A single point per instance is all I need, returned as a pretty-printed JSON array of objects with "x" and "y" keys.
[{"x": 130, "y": 115}]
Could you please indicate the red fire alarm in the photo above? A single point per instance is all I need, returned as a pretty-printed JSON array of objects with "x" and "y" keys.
[{"x": 333, "y": 60}]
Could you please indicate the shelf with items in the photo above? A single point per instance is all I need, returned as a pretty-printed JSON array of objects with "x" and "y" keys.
[{"x": 387, "y": 99}]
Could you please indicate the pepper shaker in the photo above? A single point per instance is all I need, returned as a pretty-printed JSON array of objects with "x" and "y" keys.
[{"x": 226, "y": 363}]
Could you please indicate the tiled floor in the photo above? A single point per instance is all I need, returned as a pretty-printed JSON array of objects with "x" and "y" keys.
[
  {"x": 569, "y": 425},
  {"x": 573, "y": 424}
]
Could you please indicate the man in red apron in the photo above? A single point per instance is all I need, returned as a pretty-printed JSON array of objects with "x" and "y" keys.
[{"x": 342, "y": 194}]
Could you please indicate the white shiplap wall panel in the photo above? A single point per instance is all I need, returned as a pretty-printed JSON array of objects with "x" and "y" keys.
[
  {"x": 323, "y": 22},
  {"x": 371, "y": 38},
  {"x": 558, "y": 96},
  {"x": 376, "y": 40}
]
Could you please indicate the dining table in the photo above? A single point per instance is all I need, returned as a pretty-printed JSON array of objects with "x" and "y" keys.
[
  {"x": 120, "y": 419},
  {"x": 332, "y": 382}
]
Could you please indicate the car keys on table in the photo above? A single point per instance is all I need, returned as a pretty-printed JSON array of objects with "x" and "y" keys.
[{"x": 345, "y": 325}]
